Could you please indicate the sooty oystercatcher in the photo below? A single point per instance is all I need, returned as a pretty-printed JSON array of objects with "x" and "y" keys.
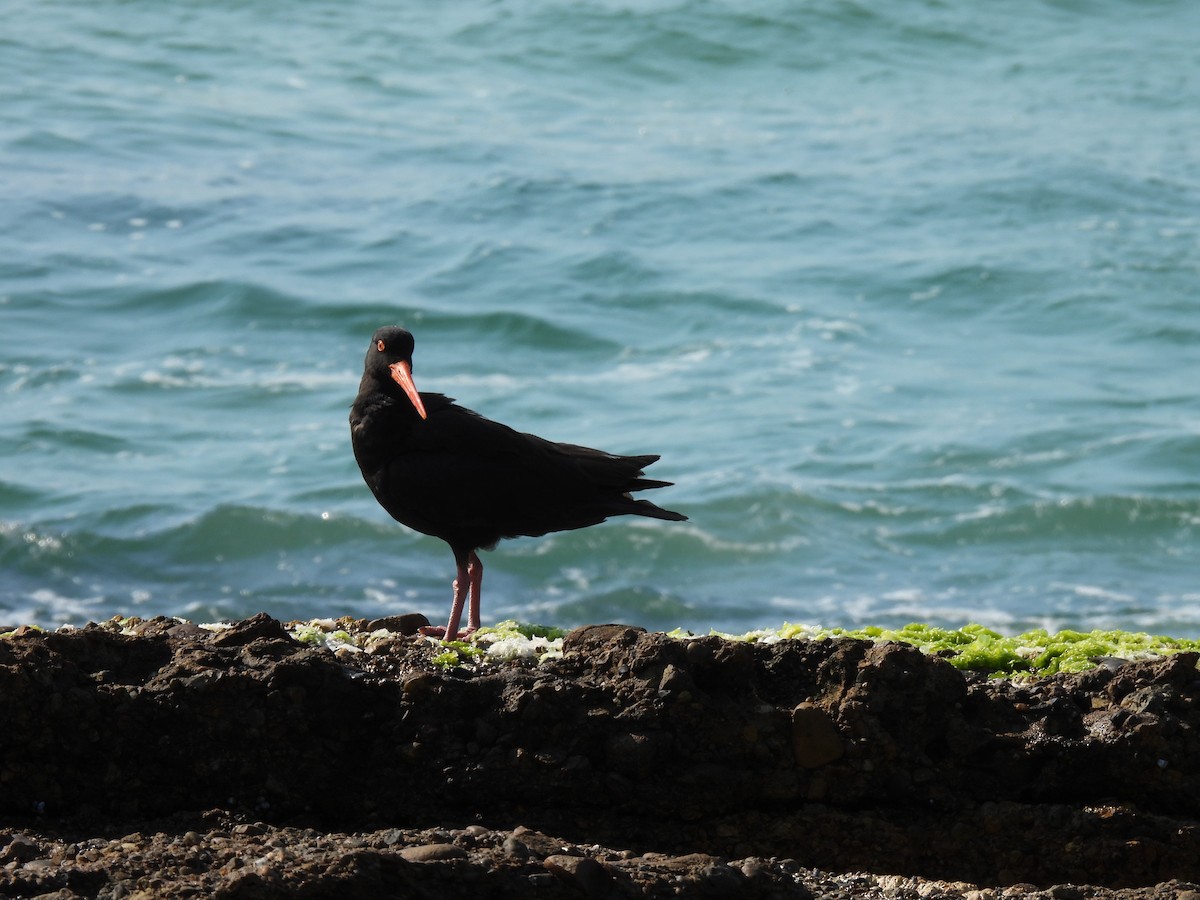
[{"x": 448, "y": 472}]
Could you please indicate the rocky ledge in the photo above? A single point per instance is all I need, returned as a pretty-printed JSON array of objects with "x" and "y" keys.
[{"x": 164, "y": 759}]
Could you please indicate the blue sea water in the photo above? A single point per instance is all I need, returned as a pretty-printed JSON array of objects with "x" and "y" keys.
[{"x": 905, "y": 294}]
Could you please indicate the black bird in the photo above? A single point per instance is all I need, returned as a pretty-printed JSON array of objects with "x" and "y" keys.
[{"x": 448, "y": 472}]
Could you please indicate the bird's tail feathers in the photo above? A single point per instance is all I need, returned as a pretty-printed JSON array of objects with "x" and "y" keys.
[
  {"x": 646, "y": 508},
  {"x": 645, "y": 484},
  {"x": 641, "y": 461}
]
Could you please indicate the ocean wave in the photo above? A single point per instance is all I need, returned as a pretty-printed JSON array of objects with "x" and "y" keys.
[
  {"x": 1072, "y": 522},
  {"x": 907, "y": 317}
]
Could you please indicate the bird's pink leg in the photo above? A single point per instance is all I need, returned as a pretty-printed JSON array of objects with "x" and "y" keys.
[
  {"x": 462, "y": 585},
  {"x": 475, "y": 576}
]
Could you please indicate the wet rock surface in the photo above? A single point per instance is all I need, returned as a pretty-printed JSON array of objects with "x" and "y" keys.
[{"x": 169, "y": 760}]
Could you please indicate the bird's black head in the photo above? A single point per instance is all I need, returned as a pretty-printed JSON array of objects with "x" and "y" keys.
[
  {"x": 389, "y": 359},
  {"x": 390, "y": 344}
]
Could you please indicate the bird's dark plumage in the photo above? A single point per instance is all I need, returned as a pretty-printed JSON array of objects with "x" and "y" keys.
[{"x": 446, "y": 471}]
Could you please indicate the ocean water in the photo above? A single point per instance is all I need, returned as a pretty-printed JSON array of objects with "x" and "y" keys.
[{"x": 907, "y": 296}]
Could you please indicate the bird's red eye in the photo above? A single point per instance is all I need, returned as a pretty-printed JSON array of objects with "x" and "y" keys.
[{"x": 380, "y": 345}]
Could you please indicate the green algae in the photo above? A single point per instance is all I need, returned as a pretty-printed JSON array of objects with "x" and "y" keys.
[
  {"x": 455, "y": 653},
  {"x": 447, "y": 660},
  {"x": 977, "y": 648},
  {"x": 309, "y": 634},
  {"x": 511, "y": 628},
  {"x": 972, "y": 647}
]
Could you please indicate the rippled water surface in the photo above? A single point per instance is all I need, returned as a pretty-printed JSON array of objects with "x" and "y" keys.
[{"x": 906, "y": 295}]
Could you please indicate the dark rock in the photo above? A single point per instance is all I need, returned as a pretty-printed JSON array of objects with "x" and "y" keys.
[
  {"x": 583, "y": 872},
  {"x": 260, "y": 627},
  {"x": 433, "y": 852},
  {"x": 635, "y": 755},
  {"x": 515, "y": 848},
  {"x": 186, "y": 631},
  {"x": 20, "y": 850},
  {"x": 527, "y": 842},
  {"x": 213, "y": 750},
  {"x": 407, "y": 624},
  {"x": 607, "y": 639},
  {"x": 815, "y": 738}
]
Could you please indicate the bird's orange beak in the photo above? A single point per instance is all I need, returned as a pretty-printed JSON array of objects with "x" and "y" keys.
[{"x": 402, "y": 375}]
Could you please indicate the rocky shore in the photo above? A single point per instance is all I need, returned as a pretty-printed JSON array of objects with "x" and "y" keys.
[{"x": 163, "y": 759}]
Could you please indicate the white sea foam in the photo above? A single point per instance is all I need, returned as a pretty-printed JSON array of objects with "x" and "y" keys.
[
  {"x": 48, "y": 607},
  {"x": 1093, "y": 592}
]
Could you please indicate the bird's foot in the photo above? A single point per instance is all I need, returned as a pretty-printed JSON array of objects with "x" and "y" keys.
[{"x": 439, "y": 631}]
